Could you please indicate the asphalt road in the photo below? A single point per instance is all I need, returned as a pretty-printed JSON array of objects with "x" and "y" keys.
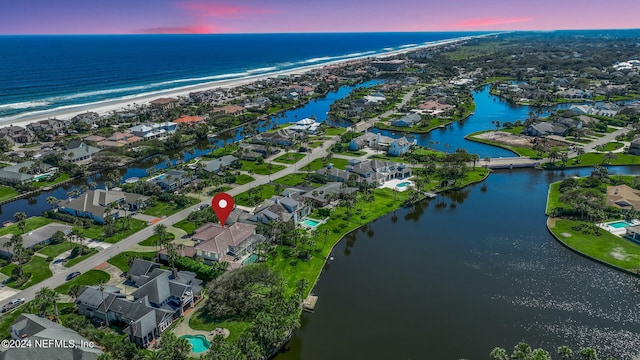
[{"x": 124, "y": 244}]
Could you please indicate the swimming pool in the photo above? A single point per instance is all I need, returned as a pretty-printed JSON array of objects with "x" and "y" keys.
[
  {"x": 198, "y": 343},
  {"x": 310, "y": 222},
  {"x": 403, "y": 184},
  {"x": 620, "y": 224}
]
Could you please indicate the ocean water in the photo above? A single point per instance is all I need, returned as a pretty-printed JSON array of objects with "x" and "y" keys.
[{"x": 40, "y": 73}]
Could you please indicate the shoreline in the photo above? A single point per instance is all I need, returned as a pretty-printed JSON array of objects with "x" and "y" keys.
[{"x": 107, "y": 106}]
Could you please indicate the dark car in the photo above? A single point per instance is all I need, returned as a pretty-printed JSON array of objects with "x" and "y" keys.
[
  {"x": 12, "y": 304},
  {"x": 72, "y": 275}
]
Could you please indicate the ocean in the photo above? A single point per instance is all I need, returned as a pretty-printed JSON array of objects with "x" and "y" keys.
[{"x": 53, "y": 72}]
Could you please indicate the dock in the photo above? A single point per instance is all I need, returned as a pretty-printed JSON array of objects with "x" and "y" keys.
[
  {"x": 309, "y": 304},
  {"x": 430, "y": 195}
]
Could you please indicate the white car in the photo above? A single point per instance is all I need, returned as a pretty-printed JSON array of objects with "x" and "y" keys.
[{"x": 12, "y": 304}]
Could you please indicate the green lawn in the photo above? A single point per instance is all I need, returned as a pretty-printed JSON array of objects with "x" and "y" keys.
[
  {"x": 186, "y": 225},
  {"x": 97, "y": 231},
  {"x": 243, "y": 179},
  {"x": 592, "y": 159},
  {"x": 201, "y": 321},
  {"x": 434, "y": 123},
  {"x": 57, "y": 249},
  {"x": 31, "y": 223},
  {"x": 335, "y": 131},
  {"x": 71, "y": 262},
  {"x": 121, "y": 260},
  {"x": 315, "y": 144},
  {"x": 610, "y": 146},
  {"x": 163, "y": 208},
  {"x": 263, "y": 191},
  {"x": 62, "y": 177},
  {"x": 7, "y": 193},
  {"x": 351, "y": 153},
  {"x": 260, "y": 169},
  {"x": 318, "y": 164},
  {"x": 605, "y": 247},
  {"x": 291, "y": 179},
  {"x": 289, "y": 158},
  {"x": 151, "y": 240},
  {"x": 38, "y": 267},
  {"x": 91, "y": 277},
  {"x": 553, "y": 198}
]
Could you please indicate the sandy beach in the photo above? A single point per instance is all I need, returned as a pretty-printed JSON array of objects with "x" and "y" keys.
[{"x": 109, "y": 106}]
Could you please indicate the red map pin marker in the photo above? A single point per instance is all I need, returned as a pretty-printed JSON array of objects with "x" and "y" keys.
[{"x": 222, "y": 205}]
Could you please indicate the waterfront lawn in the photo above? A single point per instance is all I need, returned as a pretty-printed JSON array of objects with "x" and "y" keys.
[
  {"x": 31, "y": 223},
  {"x": 71, "y": 262},
  {"x": 289, "y": 158},
  {"x": 201, "y": 321},
  {"x": 91, "y": 277},
  {"x": 121, "y": 261},
  {"x": 521, "y": 151},
  {"x": 433, "y": 123},
  {"x": 243, "y": 179},
  {"x": 604, "y": 247},
  {"x": 161, "y": 208},
  {"x": 317, "y": 164},
  {"x": 337, "y": 225},
  {"x": 152, "y": 240},
  {"x": 260, "y": 169},
  {"x": 57, "y": 249},
  {"x": 7, "y": 193},
  {"x": 592, "y": 159},
  {"x": 60, "y": 178},
  {"x": 553, "y": 198},
  {"x": 187, "y": 225},
  {"x": 334, "y": 131},
  {"x": 37, "y": 267},
  {"x": 255, "y": 196}
]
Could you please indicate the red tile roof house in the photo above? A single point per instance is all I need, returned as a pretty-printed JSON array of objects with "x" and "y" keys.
[
  {"x": 189, "y": 120},
  {"x": 231, "y": 243}
]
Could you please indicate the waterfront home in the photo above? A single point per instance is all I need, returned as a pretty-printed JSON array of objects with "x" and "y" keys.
[
  {"x": 400, "y": 146},
  {"x": 281, "y": 209},
  {"x": 172, "y": 179},
  {"x": 119, "y": 139},
  {"x": 544, "y": 128},
  {"x": 164, "y": 103},
  {"x": 187, "y": 120},
  {"x": 52, "y": 126},
  {"x": 408, "y": 120},
  {"x": 97, "y": 204},
  {"x": 220, "y": 164},
  {"x": 25, "y": 172},
  {"x": 150, "y": 131},
  {"x": 305, "y": 125},
  {"x": 293, "y": 96},
  {"x": 17, "y": 134},
  {"x": 39, "y": 236},
  {"x": 623, "y": 197},
  {"x": 214, "y": 243},
  {"x": 161, "y": 297},
  {"x": 323, "y": 195},
  {"x": 29, "y": 328},
  {"x": 434, "y": 107},
  {"x": 281, "y": 137},
  {"x": 370, "y": 140},
  {"x": 375, "y": 98},
  {"x": 378, "y": 171},
  {"x": 79, "y": 151}
]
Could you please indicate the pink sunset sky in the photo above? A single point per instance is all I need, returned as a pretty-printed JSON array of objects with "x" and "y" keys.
[{"x": 277, "y": 16}]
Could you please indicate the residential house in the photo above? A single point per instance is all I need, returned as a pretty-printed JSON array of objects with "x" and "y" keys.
[
  {"x": 623, "y": 197},
  {"x": 281, "y": 209},
  {"x": 54, "y": 126},
  {"x": 79, "y": 151},
  {"x": 17, "y": 134},
  {"x": 544, "y": 128},
  {"x": 400, "y": 146},
  {"x": 634, "y": 147},
  {"x": 89, "y": 118},
  {"x": 164, "y": 103},
  {"x": 153, "y": 130},
  {"x": 26, "y": 171},
  {"x": 172, "y": 179},
  {"x": 334, "y": 174},
  {"x": 33, "y": 328},
  {"x": 305, "y": 125},
  {"x": 161, "y": 297},
  {"x": 390, "y": 65},
  {"x": 370, "y": 140},
  {"x": 229, "y": 110},
  {"x": 408, "y": 120},
  {"x": 378, "y": 171},
  {"x": 259, "y": 103},
  {"x": 119, "y": 139},
  {"x": 434, "y": 107},
  {"x": 293, "y": 96},
  {"x": 323, "y": 195},
  {"x": 39, "y": 236},
  {"x": 375, "y": 98},
  {"x": 231, "y": 243},
  {"x": 254, "y": 151},
  {"x": 281, "y": 137},
  {"x": 186, "y": 120},
  {"x": 96, "y": 204},
  {"x": 217, "y": 165}
]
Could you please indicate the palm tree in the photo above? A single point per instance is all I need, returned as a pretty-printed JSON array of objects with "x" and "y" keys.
[
  {"x": 20, "y": 218},
  {"x": 74, "y": 291},
  {"x": 161, "y": 231},
  {"x": 52, "y": 200},
  {"x": 565, "y": 352},
  {"x": 499, "y": 354}
]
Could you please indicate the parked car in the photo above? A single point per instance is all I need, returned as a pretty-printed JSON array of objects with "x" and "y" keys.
[
  {"x": 72, "y": 275},
  {"x": 12, "y": 304}
]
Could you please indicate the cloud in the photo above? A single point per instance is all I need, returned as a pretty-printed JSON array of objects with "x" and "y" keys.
[
  {"x": 221, "y": 10},
  {"x": 197, "y": 29},
  {"x": 490, "y": 22}
]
